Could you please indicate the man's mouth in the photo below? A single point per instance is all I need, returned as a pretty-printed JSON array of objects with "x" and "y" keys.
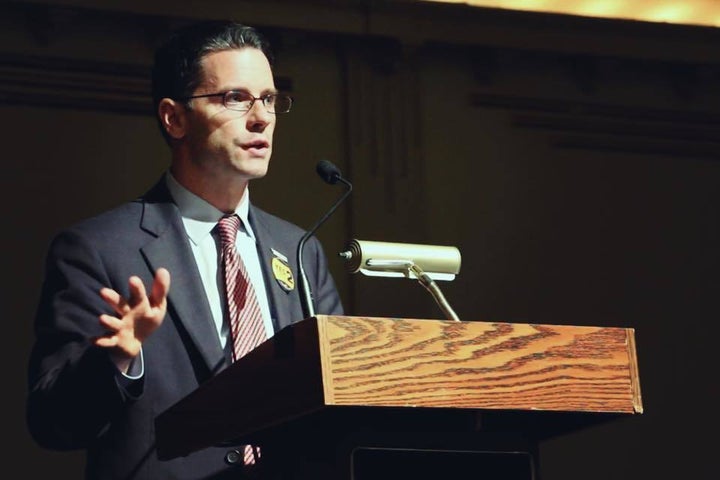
[
  {"x": 256, "y": 147},
  {"x": 257, "y": 144}
]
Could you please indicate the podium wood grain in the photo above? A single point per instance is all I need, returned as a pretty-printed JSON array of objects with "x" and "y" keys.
[
  {"x": 345, "y": 363},
  {"x": 427, "y": 363}
]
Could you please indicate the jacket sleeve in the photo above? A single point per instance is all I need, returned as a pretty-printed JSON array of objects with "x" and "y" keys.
[{"x": 73, "y": 387}]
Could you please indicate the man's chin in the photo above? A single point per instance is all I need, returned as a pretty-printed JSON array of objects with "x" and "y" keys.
[
  {"x": 254, "y": 167},
  {"x": 253, "y": 173}
]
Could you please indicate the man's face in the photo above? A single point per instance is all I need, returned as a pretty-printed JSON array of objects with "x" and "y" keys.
[{"x": 225, "y": 142}]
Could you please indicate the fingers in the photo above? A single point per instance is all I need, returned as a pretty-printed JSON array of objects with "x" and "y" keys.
[
  {"x": 107, "y": 341},
  {"x": 113, "y": 325},
  {"x": 138, "y": 294},
  {"x": 115, "y": 300},
  {"x": 138, "y": 315},
  {"x": 137, "y": 291},
  {"x": 160, "y": 288},
  {"x": 120, "y": 304},
  {"x": 119, "y": 336}
]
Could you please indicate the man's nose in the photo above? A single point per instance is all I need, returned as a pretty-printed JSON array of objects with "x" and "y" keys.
[{"x": 258, "y": 116}]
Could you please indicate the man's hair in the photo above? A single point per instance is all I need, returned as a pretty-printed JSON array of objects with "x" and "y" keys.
[{"x": 177, "y": 67}]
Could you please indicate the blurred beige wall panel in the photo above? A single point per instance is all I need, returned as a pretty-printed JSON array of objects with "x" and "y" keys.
[{"x": 691, "y": 12}]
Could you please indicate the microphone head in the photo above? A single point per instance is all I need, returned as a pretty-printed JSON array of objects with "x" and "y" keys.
[{"x": 328, "y": 172}]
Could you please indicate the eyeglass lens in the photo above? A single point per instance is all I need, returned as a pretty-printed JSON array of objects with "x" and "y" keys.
[{"x": 243, "y": 101}]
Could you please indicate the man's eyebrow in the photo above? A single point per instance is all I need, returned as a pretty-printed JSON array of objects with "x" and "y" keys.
[{"x": 267, "y": 91}]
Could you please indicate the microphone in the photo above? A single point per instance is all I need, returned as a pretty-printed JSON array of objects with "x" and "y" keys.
[
  {"x": 328, "y": 172},
  {"x": 331, "y": 175}
]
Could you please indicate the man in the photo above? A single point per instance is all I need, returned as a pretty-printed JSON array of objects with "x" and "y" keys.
[{"x": 133, "y": 314}]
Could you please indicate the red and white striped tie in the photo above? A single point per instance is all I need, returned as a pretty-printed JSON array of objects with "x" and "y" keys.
[{"x": 247, "y": 330}]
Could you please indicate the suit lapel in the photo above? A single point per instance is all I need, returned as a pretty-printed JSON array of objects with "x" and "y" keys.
[
  {"x": 281, "y": 299},
  {"x": 170, "y": 249}
]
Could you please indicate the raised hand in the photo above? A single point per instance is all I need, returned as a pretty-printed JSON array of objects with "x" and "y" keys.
[{"x": 137, "y": 317}]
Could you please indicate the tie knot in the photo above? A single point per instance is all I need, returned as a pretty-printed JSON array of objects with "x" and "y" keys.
[{"x": 228, "y": 227}]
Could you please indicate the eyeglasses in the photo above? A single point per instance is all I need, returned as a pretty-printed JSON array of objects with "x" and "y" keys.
[{"x": 240, "y": 101}]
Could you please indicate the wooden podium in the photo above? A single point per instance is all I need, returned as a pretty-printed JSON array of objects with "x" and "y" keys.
[{"x": 341, "y": 397}]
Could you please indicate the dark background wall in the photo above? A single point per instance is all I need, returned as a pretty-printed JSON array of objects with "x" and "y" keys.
[{"x": 574, "y": 162}]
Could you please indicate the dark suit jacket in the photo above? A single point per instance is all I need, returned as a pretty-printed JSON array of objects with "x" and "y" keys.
[{"x": 76, "y": 399}]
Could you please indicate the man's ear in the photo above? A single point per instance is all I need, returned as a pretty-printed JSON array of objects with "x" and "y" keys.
[{"x": 172, "y": 117}]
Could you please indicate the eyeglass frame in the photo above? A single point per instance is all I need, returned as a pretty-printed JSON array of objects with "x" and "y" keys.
[{"x": 263, "y": 98}]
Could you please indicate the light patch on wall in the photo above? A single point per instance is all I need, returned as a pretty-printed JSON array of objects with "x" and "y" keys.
[{"x": 690, "y": 12}]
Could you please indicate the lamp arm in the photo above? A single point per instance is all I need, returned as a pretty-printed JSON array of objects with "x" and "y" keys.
[{"x": 434, "y": 290}]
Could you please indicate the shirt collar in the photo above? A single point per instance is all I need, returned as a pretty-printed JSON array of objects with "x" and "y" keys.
[{"x": 199, "y": 216}]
